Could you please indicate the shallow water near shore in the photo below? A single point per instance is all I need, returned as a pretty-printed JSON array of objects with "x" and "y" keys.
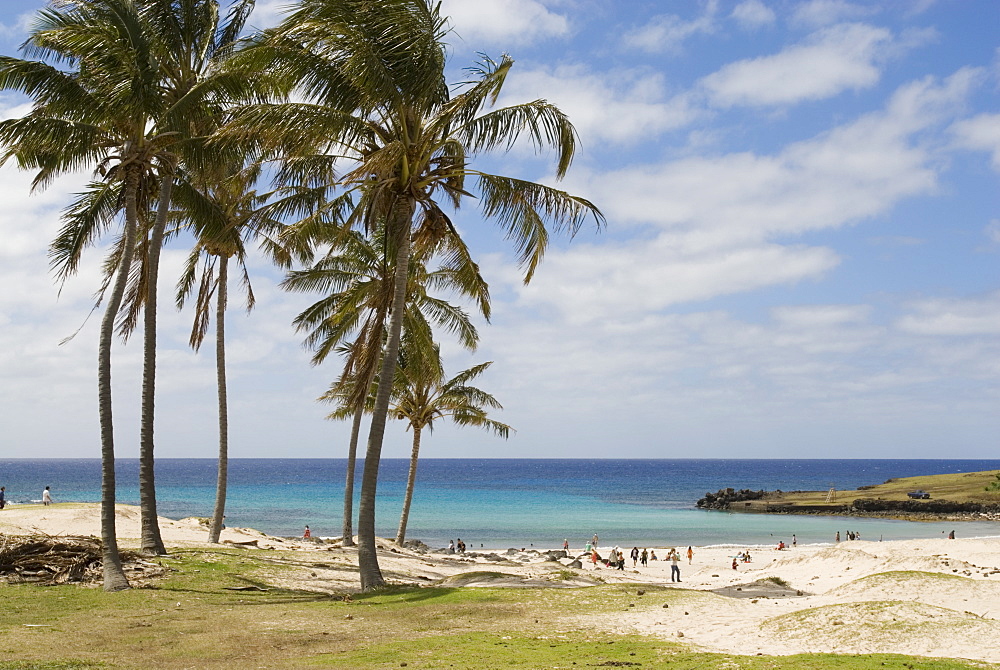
[{"x": 500, "y": 503}]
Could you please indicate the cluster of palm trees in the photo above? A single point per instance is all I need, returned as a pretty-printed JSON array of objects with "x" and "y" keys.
[{"x": 333, "y": 141}]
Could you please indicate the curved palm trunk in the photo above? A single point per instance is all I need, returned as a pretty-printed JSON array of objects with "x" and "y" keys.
[
  {"x": 114, "y": 576},
  {"x": 352, "y": 459},
  {"x": 152, "y": 543},
  {"x": 371, "y": 575},
  {"x": 220, "y": 374},
  {"x": 410, "y": 481}
]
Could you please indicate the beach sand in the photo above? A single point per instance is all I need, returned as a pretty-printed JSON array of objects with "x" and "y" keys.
[{"x": 930, "y": 597}]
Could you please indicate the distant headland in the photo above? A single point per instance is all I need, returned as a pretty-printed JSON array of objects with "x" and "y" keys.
[{"x": 960, "y": 496}]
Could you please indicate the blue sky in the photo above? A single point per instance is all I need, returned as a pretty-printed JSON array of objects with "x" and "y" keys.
[{"x": 801, "y": 255}]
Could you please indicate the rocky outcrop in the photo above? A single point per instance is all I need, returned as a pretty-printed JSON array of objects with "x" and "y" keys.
[{"x": 725, "y": 497}]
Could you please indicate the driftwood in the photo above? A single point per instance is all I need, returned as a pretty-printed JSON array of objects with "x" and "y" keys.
[{"x": 47, "y": 559}]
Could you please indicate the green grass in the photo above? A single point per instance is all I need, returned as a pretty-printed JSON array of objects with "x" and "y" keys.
[
  {"x": 956, "y": 487},
  {"x": 190, "y": 620}
]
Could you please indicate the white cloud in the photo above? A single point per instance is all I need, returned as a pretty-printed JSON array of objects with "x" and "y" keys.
[
  {"x": 954, "y": 316},
  {"x": 617, "y": 107},
  {"x": 269, "y": 13},
  {"x": 590, "y": 283},
  {"x": 833, "y": 60},
  {"x": 980, "y": 133},
  {"x": 18, "y": 29},
  {"x": 710, "y": 226},
  {"x": 753, "y": 14},
  {"x": 504, "y": 21},
  {"x": 817, "y": 13},
  {"x": 667, "y": 32}
]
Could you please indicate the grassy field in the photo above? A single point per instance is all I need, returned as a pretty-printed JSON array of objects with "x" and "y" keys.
[
  {"x": 958, "y": 487},
  {"x": 193, "y": 618}
]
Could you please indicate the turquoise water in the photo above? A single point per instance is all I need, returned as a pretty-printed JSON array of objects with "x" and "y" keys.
[{"x": 501, "y": 503}]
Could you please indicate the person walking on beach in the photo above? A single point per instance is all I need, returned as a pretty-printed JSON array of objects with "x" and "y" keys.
[
  {"x": 635, "y": 556},
  {"x": 566, "y": 546},
  {"x": 675, "y": 568},
  {"x": 47, "y": 496},
  {"x": 690, "y": 555},
  {"x": 621, "y": 560},
  {"x": 644, "y": 556},
  {"x": 594, "y": 557},
  {"x": 3, "y": 499},
  {"x": 838, "y": 536},
  {"x": 795, "y": 542}
]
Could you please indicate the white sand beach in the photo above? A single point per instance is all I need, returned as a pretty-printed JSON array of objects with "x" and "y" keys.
[{"x": 931, "y": 597}]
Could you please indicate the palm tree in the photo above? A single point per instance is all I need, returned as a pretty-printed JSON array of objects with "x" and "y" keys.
[
  {"x": 375, "y": 75},
  {"x": 357, "y": 278},
  {"x": 95, "y": 112},
  {"x": 421, "y": 394},
  {"x": 223, "y": 211},
  {"x": 191, "y": 41}
]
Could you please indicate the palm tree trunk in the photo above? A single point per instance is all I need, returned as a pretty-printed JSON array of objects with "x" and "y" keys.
[
  {"x": 152, "y": 543},
  {"x": 114, "y": 576},
  {"x": 352, "y": 459},
  {"x": 371, "y": 575},
  {"x": 410, "y": 481},
  {"x": 220, "y": 374}
]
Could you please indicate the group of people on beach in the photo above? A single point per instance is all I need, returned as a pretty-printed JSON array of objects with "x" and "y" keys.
[{"x": 46, "y": 496}]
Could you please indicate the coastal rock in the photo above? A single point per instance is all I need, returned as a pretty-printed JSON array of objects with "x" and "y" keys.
[{"x": 724, "y": 497}]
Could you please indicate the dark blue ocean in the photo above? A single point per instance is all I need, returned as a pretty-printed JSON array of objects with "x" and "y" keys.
[{"x": 501, "y": 503}]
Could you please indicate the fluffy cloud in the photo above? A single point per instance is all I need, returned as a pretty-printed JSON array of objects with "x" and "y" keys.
[
  {"x": 617, "y": 107},
  {"x": 753, "y": 14},
  {"x": 667, "y": 32},
  {"x": 16, "y": 30},
  {"x": 833, "y": 60},
  {"x": 504, "y": 22},
  {"x": 269, "y": 13},
  {"x": 954, "y": 316},
  {"x": 697, "y": 228},
  {"x": 981, "y": 133}
]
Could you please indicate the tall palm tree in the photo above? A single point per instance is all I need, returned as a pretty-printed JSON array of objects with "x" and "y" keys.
[
  {"x": 357, "y": 277},
  {"x": 421, "y": 394},
  {"x": 95, "y": 112},
  {"x": 374, "y": 73},
  {"x": 224, "y": 212},
  {"x": 192, "y": 39}
]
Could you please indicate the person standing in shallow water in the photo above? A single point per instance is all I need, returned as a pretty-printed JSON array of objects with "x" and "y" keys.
[{"x": 47, "y": 496}]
